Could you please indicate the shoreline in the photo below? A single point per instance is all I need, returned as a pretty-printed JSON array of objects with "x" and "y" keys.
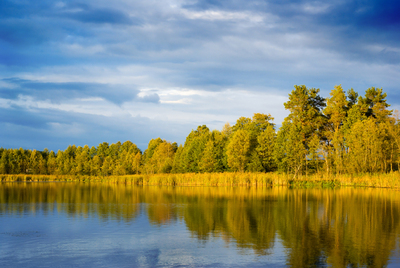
[{"x": 380, "y": 180}]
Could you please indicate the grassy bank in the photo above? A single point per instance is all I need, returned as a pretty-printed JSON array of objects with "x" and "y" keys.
[{"x": 387, "y": 180}]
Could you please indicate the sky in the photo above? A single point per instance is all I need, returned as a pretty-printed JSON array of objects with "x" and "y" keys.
[{"x": 87, "y": 72}]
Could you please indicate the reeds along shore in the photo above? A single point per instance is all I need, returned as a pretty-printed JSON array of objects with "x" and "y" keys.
[{"x": 385, "y": 180}]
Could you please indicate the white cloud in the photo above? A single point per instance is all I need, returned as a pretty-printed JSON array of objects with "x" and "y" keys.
[
  {"x": 67, "y": 130},
  {"x": 76, "y": 49},
  {"x": 92, "y": 106},
  {"x": 5, "y": 103},
  {"x": 59, "y": 4},
  {"x": 210, "y": 108},
  {"x": 316, "y": 7},
  {"x": 7, "y": 85},
  {"x": 221, "y": 15},
  {"x": 180, "y": 101},
  {"x": 184, "y": 92},
  {"x": 377, "y": 48}
]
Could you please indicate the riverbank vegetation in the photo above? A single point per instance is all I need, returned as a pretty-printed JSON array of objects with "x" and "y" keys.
[
  {"x": 379, "y": 180},
  {"x": 322, "y": 139}
]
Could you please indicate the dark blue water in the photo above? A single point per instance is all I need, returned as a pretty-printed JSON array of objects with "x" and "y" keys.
[{"x": 124, "y": 226}]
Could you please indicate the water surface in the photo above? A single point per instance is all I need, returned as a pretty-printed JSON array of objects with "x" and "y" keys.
[{"x": 109, "y": 225}]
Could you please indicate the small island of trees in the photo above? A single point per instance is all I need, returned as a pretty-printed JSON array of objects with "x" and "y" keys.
[{"x": 344, "y": 134}]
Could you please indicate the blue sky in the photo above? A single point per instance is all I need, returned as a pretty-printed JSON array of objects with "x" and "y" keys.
[{"x": 85, "y": 72}]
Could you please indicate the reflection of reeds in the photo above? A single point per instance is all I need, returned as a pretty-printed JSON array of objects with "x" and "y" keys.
[
  {"x": 385, "y": 180},
  {"x": 346, "y": 227}
]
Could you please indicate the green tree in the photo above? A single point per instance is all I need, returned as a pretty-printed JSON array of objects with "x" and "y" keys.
[
  {"x": 82, "y": 160},
  {"x": 34, "y": 162},
  {"x": 313, "y": 152},
  {"x": 305, "y": 108},
  {"x": 265, "y": 148},
  {"x": 177, "y": 164},
  {"x": 336, "y": 112},
  {"x": 148, "y": 153},
  {"x": 262, "y": 121},
  {"x": 24, "y": 159},
  {"x": 255, "y": 164},
  {"x": 136, "y": 162},
  {"x": 367, "y": 134},
  {"x": 304, "y": 120},
  {"x": 107, "y": 167},
  {"x": 227, "y": 130},
  {"x": 52, "y": 163},
  {"x": 259, "y": 128},
  {"x": 238, "y": 150},
  {"x": 102, "y": 151},
  {"x": 393, "y": 127},
  {"x": 162, "y": 159},
  {"x": 374, "y": 104},
  {"x": 42, "y": 166},
  {"x": 289, "y": 150},
  {"x": 220, "y": 141},
  {"x": 15, "y": 162},
  {"x": 4, "y": 162},
  {"x": 193, "y": 149},
  {"x": 208, "y": 160},
  {"x": 95, "y": 167},
  {"x": 365, "y": 142}
]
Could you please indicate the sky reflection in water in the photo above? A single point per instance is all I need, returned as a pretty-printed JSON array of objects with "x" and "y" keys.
[{"x": 78, "y": 224}]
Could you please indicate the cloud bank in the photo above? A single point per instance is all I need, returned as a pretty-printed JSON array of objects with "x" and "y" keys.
[{"x": 84, "y": 72}]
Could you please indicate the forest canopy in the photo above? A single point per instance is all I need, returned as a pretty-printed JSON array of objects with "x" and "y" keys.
[{"x": 343, "y": 133}]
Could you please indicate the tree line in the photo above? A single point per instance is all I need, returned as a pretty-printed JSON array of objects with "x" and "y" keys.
[{"x": 344, "y": 133}]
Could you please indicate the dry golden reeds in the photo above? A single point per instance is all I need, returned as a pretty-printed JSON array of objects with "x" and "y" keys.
[{"x": 385, "y": 180}]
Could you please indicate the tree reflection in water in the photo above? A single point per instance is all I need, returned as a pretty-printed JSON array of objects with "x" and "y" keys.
[{"x": 339, "y": 227}]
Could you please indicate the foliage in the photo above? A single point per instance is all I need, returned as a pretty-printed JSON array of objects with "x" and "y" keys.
[{"x": 342, "y": 134}]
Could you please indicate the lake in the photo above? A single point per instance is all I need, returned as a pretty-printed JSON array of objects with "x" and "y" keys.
[{"x": 115, "y": 225}]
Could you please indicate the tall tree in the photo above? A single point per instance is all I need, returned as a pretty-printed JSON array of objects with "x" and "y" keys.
[
  {"x": 227, "y": 130},
  {"x": 162, "y": 159},
  {"x": 177, "y": 164},
  {"x": 136, "y": 162},
  {"x": 208, "y": 160},
  {"x": 220, "y": 142},
  {"x": 238, "y": 150},
  {"x": 52, "y": 163},
  {"x": 336, "y": 112},
  {"x": 305, "y": 107},
  {"x": 289, "y": 150},
  {"x": 15, "y": 162},
  {"x": 193, "y": 149},
  {"x": 265, "y": 147},
  {"x": 148, "y": 153},
  {"x": 304, "y": 120},
  {"x": 4, "y": 162},
  {"x": 374, "y": 104},
  {"x": 259, "y": 129}
]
